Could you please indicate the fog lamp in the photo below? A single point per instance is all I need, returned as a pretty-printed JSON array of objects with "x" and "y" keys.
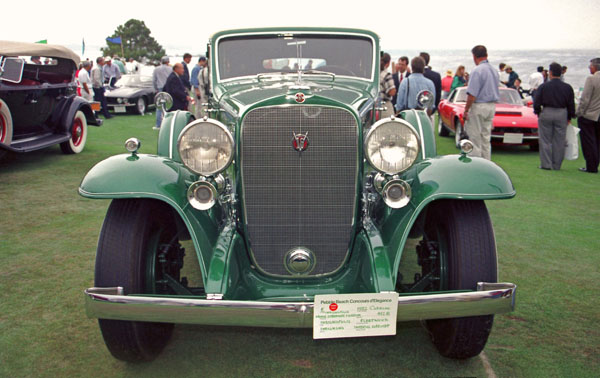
[
  {"x": 202, "y": 195},
  {"x": 120, "y": 100},
  {"x": 466, "y": 146},
  {"x": 396, "y": 193},
  {"x": 132, "y": 145}
]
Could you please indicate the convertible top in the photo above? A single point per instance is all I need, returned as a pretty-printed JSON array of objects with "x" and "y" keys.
[{"x": 10, "y": 48}]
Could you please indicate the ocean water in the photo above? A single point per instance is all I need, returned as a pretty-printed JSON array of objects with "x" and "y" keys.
[{"x": 523, "y": 62}]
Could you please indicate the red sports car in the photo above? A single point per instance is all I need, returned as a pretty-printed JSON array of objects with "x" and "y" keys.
[{"x": 514, "y": 123}]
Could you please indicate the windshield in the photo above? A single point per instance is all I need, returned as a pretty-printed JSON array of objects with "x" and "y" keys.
[
  {"x": 345, "y": 55},
  {"x": 135, "y": 81},
  {"x": 507, "y": 96},
  {"x": 510, "y": 96}
]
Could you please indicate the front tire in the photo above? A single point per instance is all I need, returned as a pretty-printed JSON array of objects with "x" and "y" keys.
[
  {"x": 442, "y": 130},
  {"x": 79, "y": 131},
  {"x": 132, "y": 254},
  {"x": 6, "y": 127},
  {"x": 458, "y": 128},
  {"x": 463, "y": 233},
  {"x": 140, "y": 105}
]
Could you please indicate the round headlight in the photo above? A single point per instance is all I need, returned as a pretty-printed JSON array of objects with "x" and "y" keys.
[
  {"x": 392, "y": 146},
  {"x": 206, "y": 147}
]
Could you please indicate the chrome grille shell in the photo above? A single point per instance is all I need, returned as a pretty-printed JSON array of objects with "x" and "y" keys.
[{"x": 299, "y": 199}]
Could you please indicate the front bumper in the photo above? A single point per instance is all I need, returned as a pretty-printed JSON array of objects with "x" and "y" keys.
[{"x": 110, "y": 303}]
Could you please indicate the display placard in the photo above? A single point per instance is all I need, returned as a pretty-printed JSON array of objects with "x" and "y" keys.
[{"x": 355, "y": 315}]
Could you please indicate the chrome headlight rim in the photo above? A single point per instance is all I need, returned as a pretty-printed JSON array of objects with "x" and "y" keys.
[
  {"x": 223, "y": 128},
  {"x": 378, "y": 124}
]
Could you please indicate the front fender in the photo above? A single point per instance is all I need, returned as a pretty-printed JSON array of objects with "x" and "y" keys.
[
  {"x": 65, "y": 112},
  {"x": 150, "y": 176},
  {"x": 442, "y": 177},
  {"x": 172, "y": 125}
]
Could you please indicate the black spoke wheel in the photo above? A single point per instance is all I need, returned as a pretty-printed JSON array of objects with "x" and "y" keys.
[
  {"x": 464, "y": 238},
  {"x": 138, "y": 250}
]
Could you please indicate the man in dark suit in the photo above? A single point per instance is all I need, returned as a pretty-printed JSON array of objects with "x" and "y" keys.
[
  {"x": 174, "y": 86},
  {"x": 435, "y": 77},
  {"x": 402, "y": 72},
  {"x": 185, "y": 78}
]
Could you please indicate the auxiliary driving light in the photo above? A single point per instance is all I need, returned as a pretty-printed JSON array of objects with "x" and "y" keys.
[
  {"x": 466, "y": 146},
  {"x": 396, "y": 193},
  {"x": 202, "y": 195},
  {"x": 132, "y": 145}
]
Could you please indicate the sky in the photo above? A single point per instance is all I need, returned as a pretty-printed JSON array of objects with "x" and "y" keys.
[{"x": 430, "y": 24}]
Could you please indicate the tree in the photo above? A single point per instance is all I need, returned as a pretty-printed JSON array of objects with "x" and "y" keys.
[{"x": 137, "y": 42}]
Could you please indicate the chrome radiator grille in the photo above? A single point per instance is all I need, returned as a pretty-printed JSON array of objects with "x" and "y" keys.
[{"x": 299, "y": 199}]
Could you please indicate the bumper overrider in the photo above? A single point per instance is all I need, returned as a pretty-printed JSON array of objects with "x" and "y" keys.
[{"x": 111, "y": 303}]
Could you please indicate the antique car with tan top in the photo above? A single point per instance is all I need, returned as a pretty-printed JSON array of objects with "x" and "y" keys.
[
  {"x": 38, "y": 103},
  {"x": 297, "y": 205}
]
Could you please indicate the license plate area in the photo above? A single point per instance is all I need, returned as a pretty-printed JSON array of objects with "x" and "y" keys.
[
  {"x": 120, "y": 109},
  {"x": 354, "y": 315},
  {"x": 513, "y": 138}
]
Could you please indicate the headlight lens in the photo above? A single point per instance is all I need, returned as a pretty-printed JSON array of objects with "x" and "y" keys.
[
  {"x": 392, "y": 146},
  {"x": 206, "y": 147}
]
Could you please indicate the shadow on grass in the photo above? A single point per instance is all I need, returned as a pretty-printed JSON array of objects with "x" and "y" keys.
[{"x": 241, "y": 351}]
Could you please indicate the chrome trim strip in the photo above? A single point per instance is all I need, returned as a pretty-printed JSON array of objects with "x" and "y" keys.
[
  {"x": 171, "y": 134},
  {"x": 421, "y": 130},
  {"x": 109, "y": 303}
]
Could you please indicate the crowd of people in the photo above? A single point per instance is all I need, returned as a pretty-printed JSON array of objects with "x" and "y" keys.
[
  {"x": 189, "y": 91},
  {"x": 553, "y": 101}
]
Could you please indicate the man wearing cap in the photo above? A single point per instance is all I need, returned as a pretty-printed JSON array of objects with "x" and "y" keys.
[
  {"x": 159, "y": 79},
  {"x": 482, "y": 95},
  {"x": 589, "y": 119},
  {"x": 110, "y": 72},
  {"x": 196, "y": 84}
]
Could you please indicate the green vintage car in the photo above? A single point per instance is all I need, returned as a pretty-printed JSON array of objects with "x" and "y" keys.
[{"x": 300, "y": 204}]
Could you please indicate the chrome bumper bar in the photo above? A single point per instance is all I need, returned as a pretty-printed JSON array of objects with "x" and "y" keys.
[{"x": 110, "y": 303}]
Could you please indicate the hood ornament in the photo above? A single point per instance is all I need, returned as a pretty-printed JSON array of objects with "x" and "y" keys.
[{"x": 300, "y": 142}]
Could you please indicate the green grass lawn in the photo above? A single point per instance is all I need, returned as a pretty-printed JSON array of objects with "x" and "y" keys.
[{"x": 547, "y": 240}]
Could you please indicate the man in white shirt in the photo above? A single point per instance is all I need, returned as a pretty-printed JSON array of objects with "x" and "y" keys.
[
  {"x": 535, "y": 80},
  {"x": 502, "y": 74},
  {"x": 85, "y": 81}
]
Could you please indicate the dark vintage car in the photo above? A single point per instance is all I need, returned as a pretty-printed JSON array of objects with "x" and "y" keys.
[
  {"x": 134, "y": 94},
  {"x": 297, "y": 206},
  {"x": 514, "y": 123},
  {"x": 38, "y": 103}
]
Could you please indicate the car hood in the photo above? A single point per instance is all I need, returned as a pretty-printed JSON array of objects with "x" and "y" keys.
[
  {"x": 124, "y": 92},
  {"x": 514, "y": 116},
  {"x": 349, "y": 92}
]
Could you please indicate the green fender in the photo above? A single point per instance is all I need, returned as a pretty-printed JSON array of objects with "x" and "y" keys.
[
  {"x": 172, "y": 125},
  {"x": 442, "y": 177},
  {"x": 421, "y": 122},
  {"x": 150, "y": 176}
]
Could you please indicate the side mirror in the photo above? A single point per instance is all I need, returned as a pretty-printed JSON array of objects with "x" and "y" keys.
[
  {"x": 12, "y": 70},
  {"x": 425, "y": 99},
  {"x": 163, "y": 100}
]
